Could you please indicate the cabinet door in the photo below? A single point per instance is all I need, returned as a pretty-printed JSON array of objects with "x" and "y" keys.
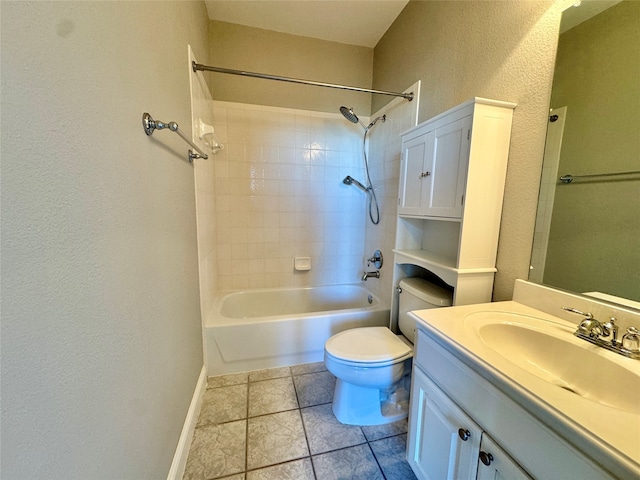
[
  {"x": 443, "y": 441},
  {"x": 416, "y": 161},
  {"x": 448, "y": 169},
  {"x": 495, "y": 464}
]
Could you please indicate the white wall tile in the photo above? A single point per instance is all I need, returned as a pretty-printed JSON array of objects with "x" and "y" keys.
[{"x": 279, "y": 193}]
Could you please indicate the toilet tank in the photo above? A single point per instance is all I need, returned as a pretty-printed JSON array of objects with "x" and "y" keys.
[{"x": 419, "y": 294}]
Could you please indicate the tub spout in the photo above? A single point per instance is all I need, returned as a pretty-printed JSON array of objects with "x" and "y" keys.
[{"x": 366, "y": 275}]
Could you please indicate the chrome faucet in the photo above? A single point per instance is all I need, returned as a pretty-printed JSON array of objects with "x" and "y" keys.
[
  {"x": 366, "y": 275},
  {"x": 606, "y": 334}
]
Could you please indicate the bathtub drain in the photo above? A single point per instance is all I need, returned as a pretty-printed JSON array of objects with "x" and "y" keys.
[{"x": 370, "y": 299}]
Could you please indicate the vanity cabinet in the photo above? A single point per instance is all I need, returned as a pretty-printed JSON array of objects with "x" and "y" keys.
[
  {"x": 458, "y": 418},
  {"x": 445, "y": 443},
  {"x": 452, "y": 177}
]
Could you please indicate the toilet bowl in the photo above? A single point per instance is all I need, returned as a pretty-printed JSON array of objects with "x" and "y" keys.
[{"x": 372, "y": 365}]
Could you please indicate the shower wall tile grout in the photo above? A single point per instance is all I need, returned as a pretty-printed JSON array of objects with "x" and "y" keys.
[{"x": 279, "y": 194}]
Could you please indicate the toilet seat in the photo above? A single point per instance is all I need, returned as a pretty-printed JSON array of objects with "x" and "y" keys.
[{"x": 373, "y": 346}]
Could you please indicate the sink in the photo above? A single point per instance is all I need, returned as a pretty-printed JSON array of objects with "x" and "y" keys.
[{"x": 549, "y": 351}]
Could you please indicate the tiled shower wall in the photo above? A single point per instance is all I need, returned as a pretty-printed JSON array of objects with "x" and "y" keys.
[{"x": 279, "y": 195}]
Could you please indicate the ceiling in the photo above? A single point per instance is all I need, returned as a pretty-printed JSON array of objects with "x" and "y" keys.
[{"x": 355, "y": 22}]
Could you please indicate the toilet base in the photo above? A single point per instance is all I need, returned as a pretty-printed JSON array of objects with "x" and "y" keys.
[{"x": 355, "y": 405}]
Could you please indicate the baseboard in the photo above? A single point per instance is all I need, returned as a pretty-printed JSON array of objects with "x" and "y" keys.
[{"x": 184, "y": 443}]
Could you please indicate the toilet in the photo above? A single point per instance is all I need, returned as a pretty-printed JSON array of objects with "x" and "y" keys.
[{"x": 372, "y": 365}]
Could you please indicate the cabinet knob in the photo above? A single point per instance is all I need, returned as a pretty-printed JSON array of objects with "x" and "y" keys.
[
  {"x": 425, "y": 174},
  {"x": 464, "y": 434},
  {"x": 486, "y": 458}
]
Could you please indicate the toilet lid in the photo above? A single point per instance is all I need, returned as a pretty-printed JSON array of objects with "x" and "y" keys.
[{"x": 368, "y": 344}]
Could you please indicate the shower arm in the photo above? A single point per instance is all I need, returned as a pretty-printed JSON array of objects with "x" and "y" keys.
[{"x": 265, "y": 76}]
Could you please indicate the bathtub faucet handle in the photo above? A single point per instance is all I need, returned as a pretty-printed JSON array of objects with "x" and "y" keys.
[{"x": 376, "y": 259}]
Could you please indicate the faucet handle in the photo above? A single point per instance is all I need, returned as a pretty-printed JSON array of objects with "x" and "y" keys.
[
  {"x": 376, "y": 259},
  {"x": 631, "y": 340},
  {"x": 587, "y": 315}
]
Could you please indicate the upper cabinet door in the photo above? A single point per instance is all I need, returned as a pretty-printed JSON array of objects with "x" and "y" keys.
[
  {"x": 417, "y": 157},
  {"x": 449, "y": 169},
  {"x": 433, "y": 171}
]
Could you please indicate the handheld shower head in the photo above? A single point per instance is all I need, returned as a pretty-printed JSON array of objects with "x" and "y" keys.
[
  {"x": 383, "y": 118},
  {"x": 349, "y": 180}
]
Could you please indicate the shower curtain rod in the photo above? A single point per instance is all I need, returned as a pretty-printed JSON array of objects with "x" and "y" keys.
[{"x": 205, "y": 68}]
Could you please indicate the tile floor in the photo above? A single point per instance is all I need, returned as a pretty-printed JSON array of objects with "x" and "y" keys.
[{"x": 277, "y": 424}]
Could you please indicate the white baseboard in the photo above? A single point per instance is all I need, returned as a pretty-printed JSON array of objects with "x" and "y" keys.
[{"x": 184, "y": 443}]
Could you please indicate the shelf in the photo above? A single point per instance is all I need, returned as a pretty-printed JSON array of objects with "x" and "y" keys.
[
  {"x": 443, "y": 266},
  {"x": 423, "y": 217}
]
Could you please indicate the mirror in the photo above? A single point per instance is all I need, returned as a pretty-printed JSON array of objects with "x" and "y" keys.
[{"x": 587, "y": 236}]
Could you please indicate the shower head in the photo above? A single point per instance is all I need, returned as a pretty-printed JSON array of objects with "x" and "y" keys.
[
  {"x": 349, "y": 114},
  {"x": 349, "y": 180}
]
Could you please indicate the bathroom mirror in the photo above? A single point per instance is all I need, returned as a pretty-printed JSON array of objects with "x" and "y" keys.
[{"x": 587, "y": 236}]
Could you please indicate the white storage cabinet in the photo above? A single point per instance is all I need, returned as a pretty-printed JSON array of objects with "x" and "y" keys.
[{"x": 452, "y": 177}]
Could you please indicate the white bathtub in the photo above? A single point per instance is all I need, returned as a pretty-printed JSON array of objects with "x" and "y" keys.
[{"x": 266, "y": 328}]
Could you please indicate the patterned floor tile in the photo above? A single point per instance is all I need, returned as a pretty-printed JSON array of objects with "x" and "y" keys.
[
  {"x": 315, "y": 388},
  {"x": 227, "y": 380},
  {"x": 354, "y": 463},
  {"x": 271, "y": 396},
  {"x": 275, "y": 439},
  {"x": 275, "y": 442},
  {"x": 224, "y": 404},
  {"x": 298, "y": 470},
  {"x": 268, "y": 374},
  {"x": 216, "y": 451},
  {"x": 376, "y": 432},
  {"x": 308, "y": 368},
  {"x": 325, "y": 433},
  {"x": 391, "y": 455}
]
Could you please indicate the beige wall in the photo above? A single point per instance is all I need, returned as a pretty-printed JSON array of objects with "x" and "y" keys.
[
  {"x": 593, "y": 243},
  {"x": 101, "y": 336},
  {"x": 263, "y": 51},
  {"x": 499, "y": 50}
]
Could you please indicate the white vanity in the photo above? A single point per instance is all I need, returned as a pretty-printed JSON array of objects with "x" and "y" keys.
[{"x": 505, "y": 390}]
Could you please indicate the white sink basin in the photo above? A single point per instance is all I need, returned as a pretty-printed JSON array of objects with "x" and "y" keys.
[
  {"x": 587, "y": 395},
  {"x": 552, "y": 353}
]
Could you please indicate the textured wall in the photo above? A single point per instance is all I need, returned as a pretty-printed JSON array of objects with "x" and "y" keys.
[
  {"x": 263, "y": 51},
  {"x": 101, "y": 337},
  {"x": 593, "y": 241},
  {"x": 500, "y": 50}
]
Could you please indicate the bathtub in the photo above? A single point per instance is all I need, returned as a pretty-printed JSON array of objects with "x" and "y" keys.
[{"x": 266, "y": 328}]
